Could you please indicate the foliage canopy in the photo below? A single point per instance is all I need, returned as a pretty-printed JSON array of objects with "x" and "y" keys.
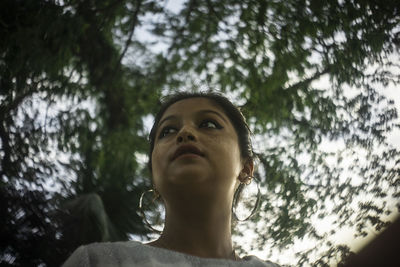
[{"x": 78, "y": 80}]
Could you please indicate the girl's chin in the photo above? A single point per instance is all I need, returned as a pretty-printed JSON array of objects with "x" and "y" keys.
[{"x": 185, "y": 175}]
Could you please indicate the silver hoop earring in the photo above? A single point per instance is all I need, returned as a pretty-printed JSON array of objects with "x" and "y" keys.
[
  {"x": 238, "y": 196},
  {"x": 152, "y": 202}
]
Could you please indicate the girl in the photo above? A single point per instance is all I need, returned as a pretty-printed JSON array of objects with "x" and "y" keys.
[{"x": 200, "y": 154}]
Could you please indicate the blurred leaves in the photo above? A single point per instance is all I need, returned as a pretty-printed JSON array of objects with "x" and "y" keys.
[{"x": 78, "y": 80}]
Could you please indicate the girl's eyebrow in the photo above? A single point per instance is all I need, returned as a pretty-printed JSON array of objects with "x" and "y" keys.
[
  {"x": 214, "y": 112},
  {"x": 171, "y": 117}
]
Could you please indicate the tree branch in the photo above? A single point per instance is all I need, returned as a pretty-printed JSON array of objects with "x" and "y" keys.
[
  {"x": 6, "y": 109},
  {"x": 308, "y": 80},
  {"x": 6, "y": 148},
  {"x": 180, "y": 30},
  {"x": 134, "y": 23}
]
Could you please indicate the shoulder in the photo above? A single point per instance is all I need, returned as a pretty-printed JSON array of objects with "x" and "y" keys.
[
  {"x": 132, "y": 253},
  {"x": 103, "y": 254},
  {"x": 129, "y": 253}
]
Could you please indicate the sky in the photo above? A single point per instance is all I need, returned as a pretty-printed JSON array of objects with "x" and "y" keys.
[{"x": 345, "y": 235}]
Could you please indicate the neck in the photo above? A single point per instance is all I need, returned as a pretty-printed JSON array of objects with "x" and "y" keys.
[{"x": 199, "y": 228}]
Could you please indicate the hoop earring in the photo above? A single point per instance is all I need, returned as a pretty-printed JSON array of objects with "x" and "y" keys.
[
  {"x": 156, "y": 195},
  {"x": 236, "y": 197}
]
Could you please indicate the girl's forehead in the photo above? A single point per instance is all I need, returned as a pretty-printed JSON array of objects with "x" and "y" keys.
[{"x": 191, "y": 105}]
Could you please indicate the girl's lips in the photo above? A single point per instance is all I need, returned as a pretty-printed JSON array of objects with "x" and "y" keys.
[
  {"x": 187, "y": 150},
  {"x": 188, "y": 155}
]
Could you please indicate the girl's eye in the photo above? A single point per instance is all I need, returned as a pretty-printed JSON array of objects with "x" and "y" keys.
[
  {"x": 165, "y": 131},
  {"x": 210, "y": 124}
]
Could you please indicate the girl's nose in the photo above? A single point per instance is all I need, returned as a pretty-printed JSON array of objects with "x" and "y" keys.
[{"x": 185, "y": 135}]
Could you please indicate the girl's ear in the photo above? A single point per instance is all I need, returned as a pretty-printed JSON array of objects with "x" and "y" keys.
[{"x": 246, "y": 174}]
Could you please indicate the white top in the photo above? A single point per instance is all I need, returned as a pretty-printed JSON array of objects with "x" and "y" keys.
[{"x": 132, "y": 253}]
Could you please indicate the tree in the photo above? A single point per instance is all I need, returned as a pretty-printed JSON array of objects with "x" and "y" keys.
[{"x": 78, "y": 79}]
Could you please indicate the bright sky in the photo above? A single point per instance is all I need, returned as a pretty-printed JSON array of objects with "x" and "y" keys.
[{"x": 345, "y": 235}]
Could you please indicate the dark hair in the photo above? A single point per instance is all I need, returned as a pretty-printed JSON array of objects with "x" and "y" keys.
[{"x": 232, "y": 112}]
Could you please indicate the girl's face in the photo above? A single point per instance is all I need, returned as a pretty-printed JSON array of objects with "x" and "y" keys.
[{"x": 196, "y": 149}]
